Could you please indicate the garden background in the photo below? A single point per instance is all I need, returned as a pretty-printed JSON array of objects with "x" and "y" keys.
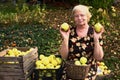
[{"x": 28, "y": 24}]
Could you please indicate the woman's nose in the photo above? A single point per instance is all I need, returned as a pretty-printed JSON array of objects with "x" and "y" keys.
[{"x": 79, "y": 17}]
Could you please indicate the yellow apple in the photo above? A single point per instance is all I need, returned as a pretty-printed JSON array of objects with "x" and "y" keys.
[
  {"x": 102, "y": 63},
  {"x": 77, "y": 62},
  {"x": 57, "y": 67},
  {"x": 98, "y": 27},
  {"x": 50, "y": 66},
  {"x": 11, "y": 62},
  {"x": 41, "y": 56},
  {"x": 65, "y": 26},
  {"x": 51, "y": 57},
  {"x": 48, "y": 74},
  {"x": 41, "y": 66},
  {"x": 83, "y": 60},
  {"x": 108, "y": 71},
  {"x": 38, "y": 62},
  {"x": 105, "y": 71},
  {"x": 45, "y": 61},
  {"x": 59, "y": 60},
  {"x": 54, "y": 62}
]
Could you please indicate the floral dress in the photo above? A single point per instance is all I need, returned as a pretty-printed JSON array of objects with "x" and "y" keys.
[{"x": 79, "y": 47}]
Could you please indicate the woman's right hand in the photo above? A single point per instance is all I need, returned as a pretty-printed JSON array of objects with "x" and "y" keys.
[{"x": 65, "y": 34}]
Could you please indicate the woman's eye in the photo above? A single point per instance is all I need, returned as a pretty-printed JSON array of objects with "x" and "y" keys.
[
  {"x": 81, "y": 15},
  {"x": 76, "y": 16}
]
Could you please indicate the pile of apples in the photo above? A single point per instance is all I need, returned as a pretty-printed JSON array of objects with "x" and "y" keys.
[
  {"x": 102, "y": 69},
  {"x": 48, "y": 62},
  {"x": 14, "y": 52},
  {"x": 48, "y": 65}
]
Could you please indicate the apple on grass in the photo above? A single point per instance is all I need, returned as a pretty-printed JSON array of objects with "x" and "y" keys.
[
  {"x": 98, "y": 27},
  {"x": 65, "y": 26}
]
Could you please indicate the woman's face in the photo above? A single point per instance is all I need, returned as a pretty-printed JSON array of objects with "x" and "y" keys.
[{"x": 80, "y": 18}]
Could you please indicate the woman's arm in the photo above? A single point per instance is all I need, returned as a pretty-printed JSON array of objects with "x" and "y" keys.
[
  {"x": 64, "y": 46},
  {"x": 98, "y": 50},
  {"x": 64, "y": 49}
]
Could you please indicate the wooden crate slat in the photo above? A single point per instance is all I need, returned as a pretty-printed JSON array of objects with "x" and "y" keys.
[
  {"x": 12, "y": 78},
  {"x": 28, "y": 67},
  {"x": 32, "y": 64},
  {"x": 30, "y": 60},
  {"x": 27, "y": 63},
  {"x": 29, "y": 72},
  {"x": 2, "y": 53},
  {"x": 23, "y": 48},
  {"x": 11, "y": 69},
  {"x": 30, "y": 54},
  {"x": 11, "y": 73},
  {"x": 18, "y": 66},
  {"x": 8, "y": 59}
]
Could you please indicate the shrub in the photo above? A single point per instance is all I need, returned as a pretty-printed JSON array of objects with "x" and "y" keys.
[{"x": 46, "y": 39}]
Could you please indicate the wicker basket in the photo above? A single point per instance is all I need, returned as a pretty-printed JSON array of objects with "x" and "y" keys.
[{"x": 76, "y": 72}]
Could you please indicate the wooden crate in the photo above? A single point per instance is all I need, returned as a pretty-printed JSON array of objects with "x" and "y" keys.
[{"x": 22, "y": 67}]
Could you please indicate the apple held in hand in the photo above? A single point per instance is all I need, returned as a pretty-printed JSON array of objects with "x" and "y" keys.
[
  {"x": 65, "y": 27},
  {"x": 98, "y": 27}
]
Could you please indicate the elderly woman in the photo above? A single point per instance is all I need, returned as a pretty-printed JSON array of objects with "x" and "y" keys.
[{"x": 81, "y": 40}]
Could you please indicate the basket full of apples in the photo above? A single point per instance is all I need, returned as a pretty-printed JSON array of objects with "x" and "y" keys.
[{"x": 77, "y": 69}]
